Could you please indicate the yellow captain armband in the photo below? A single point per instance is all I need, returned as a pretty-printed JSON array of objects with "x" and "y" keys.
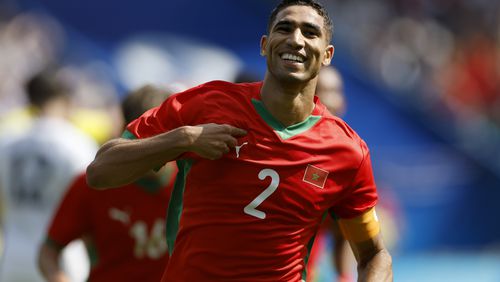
[{"x": 361, "y": 228}]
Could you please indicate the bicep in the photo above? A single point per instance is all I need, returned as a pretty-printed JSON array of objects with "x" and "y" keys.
[
  {"x": 363, "y": 234},
  {"x": 365, "y": 250}
]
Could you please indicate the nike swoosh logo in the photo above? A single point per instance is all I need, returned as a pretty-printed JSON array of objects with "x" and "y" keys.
[{"x": 238, "y": 148}]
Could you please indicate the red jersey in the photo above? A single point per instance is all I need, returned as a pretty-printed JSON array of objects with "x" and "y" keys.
[
  {"x": 252, "y": 215},
  {"x": 124, "y": 229}
]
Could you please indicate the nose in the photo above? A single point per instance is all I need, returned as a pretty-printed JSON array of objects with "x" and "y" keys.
[{"x": 296, "y": 39}]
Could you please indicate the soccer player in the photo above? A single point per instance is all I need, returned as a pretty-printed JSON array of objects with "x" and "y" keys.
[
  {"x": 36, "y": 168},
  {"x": 124, "y": 229},
  {"x": 259, "y": 165},
  {"x": 330, "y": 90}
]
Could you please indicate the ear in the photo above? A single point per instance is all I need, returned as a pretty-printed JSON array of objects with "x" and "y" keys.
[
  {"x": 328, "y": 55},
  {"x": 263, "y": 45}
]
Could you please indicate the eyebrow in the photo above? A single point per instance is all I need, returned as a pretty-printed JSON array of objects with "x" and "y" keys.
[
  {"x": 307, "y": 25},
  {"x": 313, "y": 26},
  {"x": 283, "y": 22}
]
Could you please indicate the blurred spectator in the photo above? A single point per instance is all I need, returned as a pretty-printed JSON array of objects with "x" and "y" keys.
[
  {"x": 330, "y": 90},
  {"x": 438, "y": 58},
  {"x": 124, "y": 228},
  {"x": 35, "y": 170},
  {"x": 471, "y": 81},
  {"x": 29, "y": 42},
  {"x": 97, "y": 108}
]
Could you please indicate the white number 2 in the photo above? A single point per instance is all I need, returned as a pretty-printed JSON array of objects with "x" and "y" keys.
[{"x": 250, "y": 209}]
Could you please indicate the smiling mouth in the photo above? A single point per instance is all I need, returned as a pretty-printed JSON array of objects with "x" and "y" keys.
[{"x": 292, "y": 58}]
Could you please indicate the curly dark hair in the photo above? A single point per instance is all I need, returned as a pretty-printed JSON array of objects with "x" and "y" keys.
[{"x": 328, "y": 25}]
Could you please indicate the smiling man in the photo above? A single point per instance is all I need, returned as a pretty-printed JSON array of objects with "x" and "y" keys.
[{"x": 259, "y": 165}]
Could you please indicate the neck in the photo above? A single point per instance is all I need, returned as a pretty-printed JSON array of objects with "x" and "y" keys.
[{"x": 289, "y": 103}]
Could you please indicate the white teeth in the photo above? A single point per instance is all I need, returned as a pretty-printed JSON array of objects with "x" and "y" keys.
[{"x": 291, "y": 57}]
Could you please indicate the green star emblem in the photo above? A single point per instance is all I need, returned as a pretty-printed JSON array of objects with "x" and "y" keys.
[{"x": 315, "y": 176}]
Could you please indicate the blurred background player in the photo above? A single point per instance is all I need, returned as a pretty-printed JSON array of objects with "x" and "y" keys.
[
  {"x": 35, "y": 169},
  {"x": 124, "y": 229},
  {"x": 330, "y": 90}
]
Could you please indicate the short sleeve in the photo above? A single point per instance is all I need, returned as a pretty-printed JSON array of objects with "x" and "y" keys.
[
  {"x": 178, "y": 110},
  {"x": 69, "y": 222},
  {"x": 362, "y": 193}
]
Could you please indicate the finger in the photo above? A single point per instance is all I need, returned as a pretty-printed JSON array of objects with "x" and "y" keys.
[
  {"x": 235, "y": 131},
  {"x": 216, "y": 155},
  {"x": 231, "y": 142},
  {"x": 220, "y": 146},
  {"x": 225, "y": 149}
]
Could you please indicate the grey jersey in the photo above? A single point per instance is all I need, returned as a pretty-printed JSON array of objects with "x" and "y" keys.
[{"x": 35, "y": 170}]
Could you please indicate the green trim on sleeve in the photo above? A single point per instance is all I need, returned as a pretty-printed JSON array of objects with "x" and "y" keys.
[
  {"x": 176, "y": 202},
  {"x": 128, "y": 135}
]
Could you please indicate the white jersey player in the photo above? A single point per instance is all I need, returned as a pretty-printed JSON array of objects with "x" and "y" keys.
[{"x": 35, "y": 170}]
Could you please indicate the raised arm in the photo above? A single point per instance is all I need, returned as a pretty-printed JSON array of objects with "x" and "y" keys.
[
  {"x": 121, "y": 161},
  {"x": 363, "y": 234}
]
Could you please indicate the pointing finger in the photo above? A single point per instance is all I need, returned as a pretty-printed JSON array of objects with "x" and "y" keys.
[{"x": 235, "y": 131}]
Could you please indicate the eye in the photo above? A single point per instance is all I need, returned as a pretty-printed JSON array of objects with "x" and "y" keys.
[
  {"x": 310, "y": 33},
  {"x": 283, "y": 28}
]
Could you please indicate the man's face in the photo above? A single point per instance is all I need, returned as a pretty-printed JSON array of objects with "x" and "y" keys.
[{"x": 297, "y": 45}]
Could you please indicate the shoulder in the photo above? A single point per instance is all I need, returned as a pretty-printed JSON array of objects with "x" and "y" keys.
[
  {"x": 226, "y": 85},
  {"x": 63, "y": 133},
  {"x": 335, "y": 125},
  {"x": 77, "y": 191},
  {"x": 217, "y": 84},
  {"x": 339, "y": 127},
  {"x": 346, "y": 136},
  {"x": 214, "y": 98},
  {"x": 10, "y": 143},
  {"x": 79, "y": 185},
  {"x": 203, "y": 90},
  {"x": 346, "y": 129},
  {"x": 217, "y": 88}
]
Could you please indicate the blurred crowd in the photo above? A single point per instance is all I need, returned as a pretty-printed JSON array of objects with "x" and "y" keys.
[
  {"x": 30, "y": 43},
  {"x": 440, "y": 59}
]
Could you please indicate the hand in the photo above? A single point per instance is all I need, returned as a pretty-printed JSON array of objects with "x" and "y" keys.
[
  {"x": 212, "y": 140},
  {"x": 58, "y": 277}
]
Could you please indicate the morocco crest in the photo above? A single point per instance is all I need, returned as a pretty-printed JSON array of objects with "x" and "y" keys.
[{"x": 315, "y": 176}]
